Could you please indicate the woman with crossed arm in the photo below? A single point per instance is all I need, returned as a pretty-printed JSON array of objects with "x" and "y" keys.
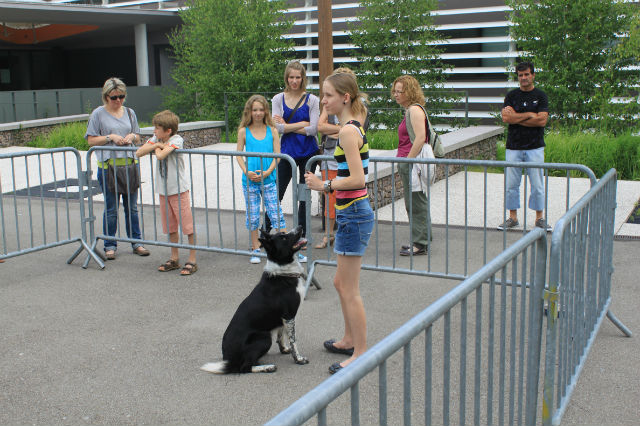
[{"x": 298, "y": 128}]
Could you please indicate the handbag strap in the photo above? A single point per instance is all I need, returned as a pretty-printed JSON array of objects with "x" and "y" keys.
[
  {"x": 428, "y": 129},
  {"x": 293, "y": 111},
  {"x": 131, "y": 121}
]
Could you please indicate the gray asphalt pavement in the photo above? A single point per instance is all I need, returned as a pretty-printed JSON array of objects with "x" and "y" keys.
[{"x": 124, "y": 345}]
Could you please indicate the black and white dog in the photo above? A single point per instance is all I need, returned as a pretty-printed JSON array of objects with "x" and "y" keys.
[{"x": 272, "y": 305}]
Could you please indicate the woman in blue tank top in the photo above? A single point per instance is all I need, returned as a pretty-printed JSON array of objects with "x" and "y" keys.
[{"x": 298, "y": 128}]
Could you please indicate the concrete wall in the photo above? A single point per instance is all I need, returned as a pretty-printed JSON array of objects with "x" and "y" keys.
[
  {"x": 471, "y": 143},
  {"x": 195, "y": 134}
]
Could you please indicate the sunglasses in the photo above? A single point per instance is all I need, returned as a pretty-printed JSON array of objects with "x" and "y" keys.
[{"x": 113, "y": 98}]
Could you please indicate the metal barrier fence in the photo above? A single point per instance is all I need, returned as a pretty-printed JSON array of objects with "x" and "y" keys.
[
  {"x": 503, "y": 320},
  {"x": 578, "y": 294},
  {"x": 38, "y": 185},
  {"x": 451, "y": 260},
  {"x": 35, "y": 190},
  {"x": 208, "y": 196},
  {"x": 579, "y": 291}
]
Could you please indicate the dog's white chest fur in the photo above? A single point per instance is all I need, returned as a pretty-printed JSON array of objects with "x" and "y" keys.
[{"x": 293, "y": 268}]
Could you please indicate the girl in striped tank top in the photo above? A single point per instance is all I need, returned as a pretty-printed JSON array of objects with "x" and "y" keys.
[{"x": 353, "y": 211}]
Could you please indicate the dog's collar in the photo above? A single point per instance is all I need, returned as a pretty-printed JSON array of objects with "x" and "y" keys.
[
  {"x": 293, "y": 270},
  {"x": 292, "y": 275}
]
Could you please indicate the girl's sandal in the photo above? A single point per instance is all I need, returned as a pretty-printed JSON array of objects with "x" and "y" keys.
[
  {"x": 189, "y": 269},
  {"x": 324, "y": 242},
  {"x": 169, "y": 265}
]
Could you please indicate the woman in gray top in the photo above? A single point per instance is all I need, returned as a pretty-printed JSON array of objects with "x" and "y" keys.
[{"x": 115, "y": 125}]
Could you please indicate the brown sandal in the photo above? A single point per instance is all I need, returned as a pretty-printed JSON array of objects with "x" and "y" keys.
[
  {"x": 323, "y": 244},
  {"x": 110, "y": 254},
  {"x": 189, "y": 269},
  {"x": 169, "y": 265}
]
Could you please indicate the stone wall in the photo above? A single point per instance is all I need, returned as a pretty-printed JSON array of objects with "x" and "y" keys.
[
  {"x": 195, "y": 134},
  {"x": 471, "y": 143},
  {"x": 20, "y": 133}
]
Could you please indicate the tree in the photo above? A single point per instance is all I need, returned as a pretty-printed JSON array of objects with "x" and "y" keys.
[
  {"x": 396, "y": 37},
  {"x": 575, "y": 45},
  {"x": 226, "y": 46}
]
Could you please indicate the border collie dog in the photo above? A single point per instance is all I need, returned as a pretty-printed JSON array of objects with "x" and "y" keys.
[{"x": 272, "y": 305}]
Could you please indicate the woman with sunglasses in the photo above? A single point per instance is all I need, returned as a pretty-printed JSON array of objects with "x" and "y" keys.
[{"x": 113, "y": 124}]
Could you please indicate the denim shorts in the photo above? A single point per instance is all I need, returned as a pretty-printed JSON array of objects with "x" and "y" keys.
[{"x": 355, "y": 224}]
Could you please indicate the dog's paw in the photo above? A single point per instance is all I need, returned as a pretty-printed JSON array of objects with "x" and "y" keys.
[
  {"x": 285, "y": 349},
  {"x": 269, "y": 368},
  {"x": 302, "y": 360}
]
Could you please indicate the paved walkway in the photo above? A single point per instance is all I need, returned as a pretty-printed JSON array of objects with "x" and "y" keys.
[
  {"x": 628, "y": 192},
  {"x": 119, "y": 346}
]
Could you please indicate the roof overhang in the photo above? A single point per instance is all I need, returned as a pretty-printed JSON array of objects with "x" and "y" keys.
[{"x": 43, "y": 13}]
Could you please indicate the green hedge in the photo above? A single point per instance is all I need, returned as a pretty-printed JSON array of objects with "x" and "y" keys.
[
  {"x": 598, "y": 151},
  {"x": 64, "y": 135}
]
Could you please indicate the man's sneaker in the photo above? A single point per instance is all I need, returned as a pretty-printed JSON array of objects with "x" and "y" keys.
[
  {"x": 255, "y": 259},
  {"x": 541, "y": 223},
  {"x": 302, "y": 258},
  {"x": 508, "y": 224}
]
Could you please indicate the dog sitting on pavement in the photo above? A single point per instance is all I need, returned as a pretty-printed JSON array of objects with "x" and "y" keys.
[{"x": 272, "y": 305}]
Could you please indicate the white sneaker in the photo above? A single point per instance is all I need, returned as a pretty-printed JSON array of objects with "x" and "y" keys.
[
  {"x": 255, "y": 259},
  {"x": 302, "y": 258}
]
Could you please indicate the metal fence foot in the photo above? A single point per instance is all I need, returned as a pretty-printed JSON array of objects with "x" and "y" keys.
[
  {"x": 619, "y": 324},
  {"x": 315, "y": 283},
  {"x": 310, "y": 280},
  {"x": 74, "y": 255},
  {"x": 93, "y": 254}
]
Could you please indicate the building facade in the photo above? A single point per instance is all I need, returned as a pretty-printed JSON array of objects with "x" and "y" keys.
[{"x": 73, "y": 44}]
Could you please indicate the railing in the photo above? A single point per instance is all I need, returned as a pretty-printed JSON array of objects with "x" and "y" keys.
[
  {"x": 208, "y": 196},
  {"x": 579, "y": 291},
  {"x": 453, "y": 260},
  {"x": 35, "y": 202},
  {"x": 578, "y": 295},
  {"x": 499, "y": 307},
  {"x": 507, "y": 376}
]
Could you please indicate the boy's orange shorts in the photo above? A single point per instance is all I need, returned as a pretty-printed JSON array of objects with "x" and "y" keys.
[{"x": 176, "y": 210}]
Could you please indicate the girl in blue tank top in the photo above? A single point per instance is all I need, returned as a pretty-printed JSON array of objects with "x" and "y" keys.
[{"x": 257, "y": 134}]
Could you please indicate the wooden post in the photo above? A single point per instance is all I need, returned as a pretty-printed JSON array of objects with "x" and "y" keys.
[{"x": 325, "y": 41}]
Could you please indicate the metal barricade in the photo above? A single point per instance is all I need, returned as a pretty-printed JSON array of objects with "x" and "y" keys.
[
  {"x": 450, "y": 259},
  {"x": 503, "y": 320},
  {"x": 38, "y": 207},
  {"x": 209, "y": 194},
  {"x": 579, "y": 293}
]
